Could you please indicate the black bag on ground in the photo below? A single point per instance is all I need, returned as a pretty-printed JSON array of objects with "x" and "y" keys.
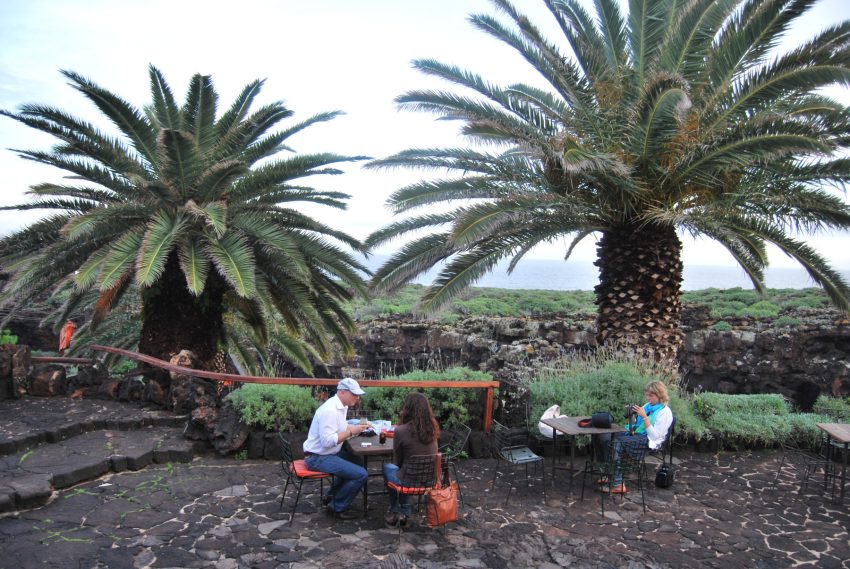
[{"x": 664, "y": 475}]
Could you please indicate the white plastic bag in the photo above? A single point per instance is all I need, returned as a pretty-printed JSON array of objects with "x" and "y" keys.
[{"x": 550, "y": 413}]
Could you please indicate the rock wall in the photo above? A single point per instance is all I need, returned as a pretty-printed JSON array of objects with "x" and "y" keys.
[{"x": 753, "y": 357}]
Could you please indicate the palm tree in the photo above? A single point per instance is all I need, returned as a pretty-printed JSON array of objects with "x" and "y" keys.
[
  {"x": 676, "y": 117},
  {"x": 193, "y": 213}
]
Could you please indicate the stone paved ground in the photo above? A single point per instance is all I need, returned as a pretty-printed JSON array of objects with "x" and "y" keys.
[{"x": 223, "y": 513}]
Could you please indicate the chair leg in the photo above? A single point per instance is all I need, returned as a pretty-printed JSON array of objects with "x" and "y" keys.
[
  {"x": 779, "y": 470},
  {"x": 543, "y": 481},
  {"x": 640, "y": 487},
  {"x": 283, "y": 496},
  {"x": 294, "y": 506},
  {"x": 457, "y": 479}
]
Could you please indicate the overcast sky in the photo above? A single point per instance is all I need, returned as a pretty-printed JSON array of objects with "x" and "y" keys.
[{"x": 316, "y": 55}]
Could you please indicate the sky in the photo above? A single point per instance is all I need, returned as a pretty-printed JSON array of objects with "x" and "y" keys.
[{"x": 317, "y": 56}]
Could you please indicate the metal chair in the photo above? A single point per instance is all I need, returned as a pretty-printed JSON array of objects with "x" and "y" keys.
[
  {"x": 451, "y": 452},
  {"x": 664, "y": 454},
  {"x": 625, "y": 461},
  {"x": 511, "y": 448},
  {"x": 421, "y": 474},
  {"x": 559, "y": 445},
  {"x": 805, "y": 461},
  {"x": 296, "y": 472}
]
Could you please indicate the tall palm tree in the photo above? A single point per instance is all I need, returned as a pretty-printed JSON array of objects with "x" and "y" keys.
[
  {"x": 676, "y": 117},
  {"x": 192, "y": 212}
]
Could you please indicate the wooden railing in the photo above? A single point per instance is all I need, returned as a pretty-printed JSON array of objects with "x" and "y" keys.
[
  {"x": 60, "y": 360},
  {"x": 306, "y": 381}
]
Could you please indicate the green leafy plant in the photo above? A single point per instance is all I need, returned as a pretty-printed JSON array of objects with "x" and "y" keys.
[
  {"x": 288, "y": 407},
  {"x": 451, "y": 406},
  {"x": 123, "y": 366},
  {"x": 6, "y": 337},
  {"x": 785, "y": 321},
  {"x": 836, "y": 408},
  {"x": 722, "y": 326}
]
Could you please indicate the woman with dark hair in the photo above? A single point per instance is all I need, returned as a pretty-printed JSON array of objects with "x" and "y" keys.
[{"x": 416, "y": 434}]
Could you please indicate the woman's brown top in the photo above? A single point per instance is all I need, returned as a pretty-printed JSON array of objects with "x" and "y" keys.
[{"x": 406, "y": 444}]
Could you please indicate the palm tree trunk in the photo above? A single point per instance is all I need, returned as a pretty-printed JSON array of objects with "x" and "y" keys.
[
  {"x": 173, "y": 319},
  {"x": 640, "y": 276}
]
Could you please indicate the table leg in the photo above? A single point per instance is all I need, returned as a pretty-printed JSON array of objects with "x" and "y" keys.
[
  {"x": 554, "y": 452},
  {"x": 572, "y": 462},
  {"x": 843, "y": 470},
  {"x": 828, "y": 465},
  {"x": 366, "y": 487}
]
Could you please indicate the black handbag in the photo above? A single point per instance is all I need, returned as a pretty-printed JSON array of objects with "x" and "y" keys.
[
  {"x": 601, "y": 420},
  {"x": 664, "y": 475}
]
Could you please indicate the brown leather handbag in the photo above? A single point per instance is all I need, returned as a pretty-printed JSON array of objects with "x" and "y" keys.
[{"x": 442, "y": 505}]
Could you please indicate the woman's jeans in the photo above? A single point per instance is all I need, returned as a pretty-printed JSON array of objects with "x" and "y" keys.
[
  {"x": 349, "y": 475},
  {"x": 600, "y": 449},
  {"x": 398, "y": 502}
]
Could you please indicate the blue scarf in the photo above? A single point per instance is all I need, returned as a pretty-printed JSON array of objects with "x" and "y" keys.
[{"x": 651, "y": 412}]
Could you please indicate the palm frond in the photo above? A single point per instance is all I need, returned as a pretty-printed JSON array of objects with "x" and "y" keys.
[
  {"x": 234, "y": 260},
  {"x": 160, "y": 237}
]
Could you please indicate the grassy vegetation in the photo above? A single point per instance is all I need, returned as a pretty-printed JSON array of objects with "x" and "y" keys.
[
  {"x": 606, "y": 381},
  {"x": 741, "y": 303},
  {"x": 730, "y": 303},
  {"x": 482, "y": 302},
  {"x": 452, "y": 407}
]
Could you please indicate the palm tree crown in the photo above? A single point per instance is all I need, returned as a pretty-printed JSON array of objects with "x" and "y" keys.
[
  {"x": 677, "y": 116},
  {"x": 191, "y": 209}
]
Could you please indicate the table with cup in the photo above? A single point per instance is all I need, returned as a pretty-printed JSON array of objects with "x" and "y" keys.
[{"x": 376, "y": 441}]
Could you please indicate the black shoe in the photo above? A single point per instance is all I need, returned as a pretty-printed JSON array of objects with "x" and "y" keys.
[
  {"x": 327, "y": 499},
  {"x": 402, "y": 520},
  {"x": 343, "y": 515}
]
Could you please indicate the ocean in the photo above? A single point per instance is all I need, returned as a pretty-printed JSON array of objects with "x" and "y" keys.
[{"x": 583, "y": 275}]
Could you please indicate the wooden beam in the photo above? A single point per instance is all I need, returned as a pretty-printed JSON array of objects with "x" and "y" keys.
[
  {"x": 60, "y": 360},
  {"x": 308, "y": 381}
]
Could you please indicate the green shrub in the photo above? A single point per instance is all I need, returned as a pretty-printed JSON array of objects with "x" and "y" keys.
[
  {"x": 123, "y": 365},
  {"x": 709, "y": 404},
  {"x": 837, "y": 409},
  {"x": 288, "y": 407},
  {"x": 451, "y": 406},
  {"x": 482, "y": 306},
  {"x": 761, "y": 419},
  {"x": 785, "y": 321},
  {"x": 6, "y": 337},
  {"x": 762, "y": 309},
  {"x": 722, "y": 326}
]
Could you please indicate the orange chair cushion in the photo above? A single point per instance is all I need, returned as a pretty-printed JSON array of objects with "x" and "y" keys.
[
  {"x": 407, "y": 489},
  {"x": 301, "y": 471}
]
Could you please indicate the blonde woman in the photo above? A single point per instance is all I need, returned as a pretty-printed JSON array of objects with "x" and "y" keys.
[{"x": 653, "y": 424}]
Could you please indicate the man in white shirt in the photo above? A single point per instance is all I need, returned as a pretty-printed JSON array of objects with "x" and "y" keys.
[{"x": 324, "y": 452}]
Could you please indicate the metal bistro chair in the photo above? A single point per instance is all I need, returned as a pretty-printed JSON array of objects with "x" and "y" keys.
[
  {"x": 559, "y": 445},
  {"x": 296, "y": 472},
  {"x": 451, "y": 452},
  {"x": 421, "y": 474},
  {"x": 625, "y": 460},
  {"x": 805, "y": 461},
  {"x": 511, "y": 448},
  {"x": 662, "y": 455}
]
